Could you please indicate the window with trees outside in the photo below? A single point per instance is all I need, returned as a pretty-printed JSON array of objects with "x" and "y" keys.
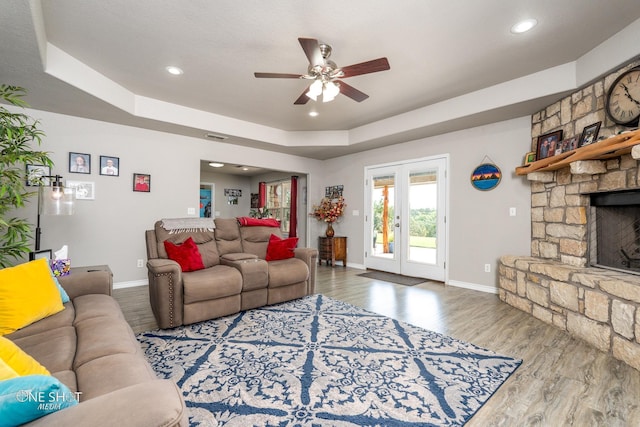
[{"x": 279, "y": 202}]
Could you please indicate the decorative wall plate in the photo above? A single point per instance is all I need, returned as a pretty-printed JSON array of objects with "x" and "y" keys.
[{"x": 486, "y": 177}]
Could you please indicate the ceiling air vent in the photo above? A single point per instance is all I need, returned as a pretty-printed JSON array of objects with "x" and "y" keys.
[{"x": 216, "y": 137}]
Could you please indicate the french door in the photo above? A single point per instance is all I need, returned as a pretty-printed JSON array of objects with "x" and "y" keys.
[{"x": 405, "y": 227}]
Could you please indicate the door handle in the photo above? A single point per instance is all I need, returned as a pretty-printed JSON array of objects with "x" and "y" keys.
[{"x": 397, "y": 224}]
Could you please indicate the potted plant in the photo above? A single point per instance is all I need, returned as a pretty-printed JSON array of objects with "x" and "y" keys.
[{"x": 19, "y": 138}]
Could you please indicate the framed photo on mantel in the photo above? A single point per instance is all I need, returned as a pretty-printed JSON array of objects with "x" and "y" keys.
[{"x": 548, "y": 144}]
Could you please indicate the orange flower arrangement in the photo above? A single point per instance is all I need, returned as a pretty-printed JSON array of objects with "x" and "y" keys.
[{"x": 328, "y": 210}]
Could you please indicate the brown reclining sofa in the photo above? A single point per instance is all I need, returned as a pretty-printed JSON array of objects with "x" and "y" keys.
[
  {"x": 236, "y": 276},
  {"x": 90, "y": 347}
]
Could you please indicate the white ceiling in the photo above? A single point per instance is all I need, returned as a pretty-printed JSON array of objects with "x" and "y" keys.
[{"x": 106, "y": 60}]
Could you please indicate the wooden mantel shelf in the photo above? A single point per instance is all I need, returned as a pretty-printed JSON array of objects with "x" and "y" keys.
[{"x": 614, "y": 146}]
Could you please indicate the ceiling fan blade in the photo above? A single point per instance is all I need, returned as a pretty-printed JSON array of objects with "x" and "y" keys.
[
  {"x": 373, "y": 66},
  {"x": 312, "y": 50},
  {"x": 302, "y": 99},
  {"x": 277, "y": 76},
  {"x": 352, "y": 92}
]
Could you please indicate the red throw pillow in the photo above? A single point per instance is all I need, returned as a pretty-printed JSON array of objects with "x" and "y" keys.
[
  {"x": 186, "y": 254},
  {"x": 280, "y": 248}
]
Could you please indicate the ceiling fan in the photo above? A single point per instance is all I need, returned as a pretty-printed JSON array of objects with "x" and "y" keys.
[{"x": 326, "y": 74}]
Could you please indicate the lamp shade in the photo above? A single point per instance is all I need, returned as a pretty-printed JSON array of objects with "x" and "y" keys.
[
  {"x": 57, "y": 200},
  {"x": 315, "y": 90},
  {"x": 331, "y": 90}
]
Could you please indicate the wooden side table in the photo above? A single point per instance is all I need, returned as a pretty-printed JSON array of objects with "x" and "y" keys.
[{"x": 331, "y": 249}]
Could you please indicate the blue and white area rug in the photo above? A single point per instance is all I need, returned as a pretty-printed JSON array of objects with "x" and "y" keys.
[{"x": 321, "y": 362}]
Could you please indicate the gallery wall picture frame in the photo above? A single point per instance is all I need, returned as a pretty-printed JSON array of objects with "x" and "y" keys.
[
  {"x": 333, "y": 192},
  {"x": 84, "y": 190},
  {"x": 79, "y": 162},
  {"x": 38, "y": 175},
  {"x": 530, "y": 157},
  {"x": 590, "y": 134},
  {"x": 44, "y": 253},
  {"x": 548, "y": 144},
  {"x": 570, "y": 144},
  {"x": 142, "y": 182},
  {"x": 109, "y": 166}
]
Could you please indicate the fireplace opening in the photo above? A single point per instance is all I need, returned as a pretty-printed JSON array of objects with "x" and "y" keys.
[{"x": 615, "y": 231}]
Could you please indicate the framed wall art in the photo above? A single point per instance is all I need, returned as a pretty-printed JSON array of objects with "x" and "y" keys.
[
  {"x": 85, "y": 190},
  {"x": 570, "y": 144},
  {"x": 590, "y": 134},
  {"x": 530, "y": 157},
  {"x": 333, "y": 192},
  {"x": 548, "y": 144},
  {"x": 44, "y": 253},
  {"x": 486, "y": 177},
  {"x": 109, "y": 166},
  {"x": 38, "y": 175},
  {"x": 233, "y": 192},
  {"x": 79, "y": 163},
  {"x": 142, "y": 182}
]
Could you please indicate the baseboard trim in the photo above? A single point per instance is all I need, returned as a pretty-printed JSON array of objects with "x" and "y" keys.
[
  {"x": 473, "y": 286},
  {"x": 131, "y": 284}
]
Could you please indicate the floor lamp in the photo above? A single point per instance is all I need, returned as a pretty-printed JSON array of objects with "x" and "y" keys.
[{"x": 53, "y": 199}]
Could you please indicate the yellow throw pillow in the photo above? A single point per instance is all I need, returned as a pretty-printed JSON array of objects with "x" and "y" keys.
[
  {"x": 6, "y": 372},
  {"x": 27, "y": 294},
  {"x": 18, "y": 360}
]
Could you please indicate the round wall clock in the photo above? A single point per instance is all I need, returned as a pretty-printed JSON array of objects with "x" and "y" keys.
[
  {"x": 623, "y": 99},
  {"x": 486, "y": 177}
]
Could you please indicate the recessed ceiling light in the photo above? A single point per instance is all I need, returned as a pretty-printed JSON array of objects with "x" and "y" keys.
[
  {"x": 313, "y": 113},
  {"x": 216, "y": 165},
  {"x": 174, "y": 70},
  {"x": 524, "y": 26}
]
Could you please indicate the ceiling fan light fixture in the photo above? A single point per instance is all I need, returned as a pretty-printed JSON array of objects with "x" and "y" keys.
[
  {"x": 315, "y": 90},
  {"x": 331, "y": 90}
]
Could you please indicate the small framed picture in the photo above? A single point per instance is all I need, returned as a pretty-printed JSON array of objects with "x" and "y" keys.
[
  {"x": 38, "y": 175},
  {"x": 590, "y": 134},
  {"x": 85, "y": 190},
  {"x": 142, "y": 182},
  {"x": 548, "y": 144},
  {"x": 530, "y": 157},
  {"x": 45, "y": 253},
  {"x": 109, "y": 166},
  {"x": 570, "y": 144},
  {"x": 79, "y": 163}
]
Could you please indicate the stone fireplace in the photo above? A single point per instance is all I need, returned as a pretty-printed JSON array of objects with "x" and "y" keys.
[
  {"x": 557, "y": 284},
  {"x": 582, "y": 275}
]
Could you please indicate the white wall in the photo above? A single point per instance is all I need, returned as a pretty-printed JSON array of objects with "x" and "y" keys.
[
  {"x": 110, "y": 229},
  {"x": 481, "y": 229}
]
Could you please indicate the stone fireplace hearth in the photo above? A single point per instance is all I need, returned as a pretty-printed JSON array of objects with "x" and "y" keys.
[{"x": 557, "y": 284}]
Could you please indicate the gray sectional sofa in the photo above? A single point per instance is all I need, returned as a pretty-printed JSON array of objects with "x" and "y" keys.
[
  {"x": 90, "y": 348},
  {"x": 236, "y": 276}
]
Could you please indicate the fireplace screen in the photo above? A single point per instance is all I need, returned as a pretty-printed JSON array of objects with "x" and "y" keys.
[{"x": 617, "y": 231}]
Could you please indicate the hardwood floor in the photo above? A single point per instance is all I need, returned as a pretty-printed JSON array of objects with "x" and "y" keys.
[{"x": 561, "y": 382}]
